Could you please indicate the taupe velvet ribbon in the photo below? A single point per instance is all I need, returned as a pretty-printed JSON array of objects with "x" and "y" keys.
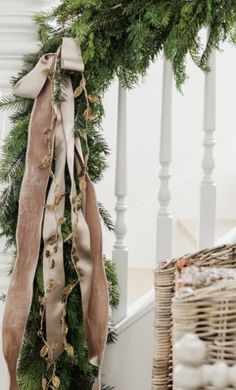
[{"x": 33, "y": 217}]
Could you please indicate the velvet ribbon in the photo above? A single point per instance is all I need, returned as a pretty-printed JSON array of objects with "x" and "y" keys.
[{"x": 40, "y": 216}]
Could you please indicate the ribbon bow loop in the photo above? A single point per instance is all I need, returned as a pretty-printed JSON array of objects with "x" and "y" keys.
[
  {"x": 31, "y": 84},
  {"x": 71, "y": 57}
]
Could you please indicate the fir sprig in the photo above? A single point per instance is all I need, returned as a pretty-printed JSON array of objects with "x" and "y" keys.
[
  {"x": 131, "y": 33},
  {"x": 11, "y": 102},
  {"x": 105, "y": 217}
]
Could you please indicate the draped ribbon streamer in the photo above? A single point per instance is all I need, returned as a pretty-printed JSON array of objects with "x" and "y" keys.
[{"x": 52, "y": 126}]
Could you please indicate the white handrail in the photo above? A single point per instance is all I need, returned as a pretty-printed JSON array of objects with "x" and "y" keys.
[
  {"x": 208, "y": 185},
  {"x": 164, "y": 217},
  {"x": 120, "y": 249}
]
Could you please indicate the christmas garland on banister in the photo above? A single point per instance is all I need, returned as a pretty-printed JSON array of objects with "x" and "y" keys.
[
  {"x": 116, "y": 39},
  {"x": 123, "y": 37}
]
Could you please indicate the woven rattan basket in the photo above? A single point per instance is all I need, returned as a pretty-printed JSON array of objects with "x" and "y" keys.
[{"x": 165, "y": 287}]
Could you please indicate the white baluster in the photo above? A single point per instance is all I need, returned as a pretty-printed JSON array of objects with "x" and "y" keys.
[
  {"x": 208, "y": 185},
  {"x": 190, "y": 371},
  {"x": 164, "y": 217},
  {"x": 120, "y": 249}
]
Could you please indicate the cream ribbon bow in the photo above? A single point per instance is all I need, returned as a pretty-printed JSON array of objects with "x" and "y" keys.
[{"x": 52, "y": 126}]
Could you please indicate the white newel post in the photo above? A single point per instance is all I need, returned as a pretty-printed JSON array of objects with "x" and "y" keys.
[
  {"x": 164, "y": 217},
  {"x": 18, "y": 36},
  {"x": 120, "y": 249},
  {"x": 208, "y": 185}
]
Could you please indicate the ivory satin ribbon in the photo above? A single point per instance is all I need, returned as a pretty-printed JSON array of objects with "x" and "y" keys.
[{"x": 32, "y": 218}]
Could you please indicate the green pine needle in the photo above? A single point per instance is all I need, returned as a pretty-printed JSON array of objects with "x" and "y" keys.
[
  {"x": 105, "y": 217},
  {"x": 11, "y": 102}
]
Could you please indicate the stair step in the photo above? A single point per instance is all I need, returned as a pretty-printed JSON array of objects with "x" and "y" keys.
[
  {"x": 140, "y": 281},
  {"x": 189, "y": 227}
]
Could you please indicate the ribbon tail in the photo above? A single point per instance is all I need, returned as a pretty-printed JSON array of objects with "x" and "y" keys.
[
  {"x": 94, "y": 288},
  {"x": 98, "y": 314},
  {"x": 53, "y": 262},
  {"x": 97, "y": 383},
  {"x": 30, "y": 217}
]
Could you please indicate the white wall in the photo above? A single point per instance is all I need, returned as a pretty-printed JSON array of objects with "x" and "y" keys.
[
  {"x": 144, "y": 105},
  {"x": 128, "y": 363}
]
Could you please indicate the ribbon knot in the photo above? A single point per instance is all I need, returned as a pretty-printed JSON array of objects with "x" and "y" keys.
[
  {"x": 31, "y": 85},
  {"x": 51, "y": 133}
]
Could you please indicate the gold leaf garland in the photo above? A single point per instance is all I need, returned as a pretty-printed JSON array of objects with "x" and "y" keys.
[
  {"x": 47, "y": 350},
  {"x": 77, "y": 204},
  {"x": 53, "y": 284}
]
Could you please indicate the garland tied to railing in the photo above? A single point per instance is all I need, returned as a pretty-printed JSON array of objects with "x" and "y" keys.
[{"x": 53, "y": 147}]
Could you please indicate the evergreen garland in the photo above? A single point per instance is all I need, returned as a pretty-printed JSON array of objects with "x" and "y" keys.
[
  {"x": 117, "y": 39},
  {"x": 122, "y": 38}
]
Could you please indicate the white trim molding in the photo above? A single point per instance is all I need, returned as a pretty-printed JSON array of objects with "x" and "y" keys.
[{"x": 18, "y": 35}]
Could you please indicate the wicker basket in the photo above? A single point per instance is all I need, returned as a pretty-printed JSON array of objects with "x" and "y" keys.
[{"x": 165, "y": 287}]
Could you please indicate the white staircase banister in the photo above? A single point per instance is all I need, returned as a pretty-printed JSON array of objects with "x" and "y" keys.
[
  {"x": 164, "y": 217},
  {"x": 120, "y": 249},
  {"x": 208, "y": 185}
]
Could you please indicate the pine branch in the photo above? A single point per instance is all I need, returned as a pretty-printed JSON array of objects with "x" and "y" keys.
[
  {"x": 11, "y": 102},
  {"x": 96, "y": 138},
  {"x": 9, "y": 171},
  {"x": 113, "y": 283},
  {"x": 105, "y": 217},
  {"x": 2, "y": 297},
  {"x": 112, "y": 335},
  {"x": 104, "y": 387},
  {"x": 19, "y": 115},
  {"x": 127, "y": 79}
]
